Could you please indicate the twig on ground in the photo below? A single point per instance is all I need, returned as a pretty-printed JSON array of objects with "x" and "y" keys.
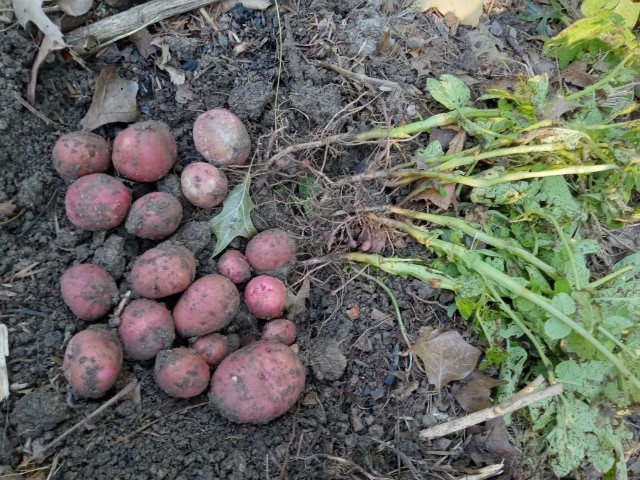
[
  {"x": 345, "y": 462},
  {"x": 520, "y": 400},
  {"x": 407, "y": 461},
  {"x": 365, "y": 79},
  {"x": 42, "y": 454},
  {"x": 29, "y": 107}
]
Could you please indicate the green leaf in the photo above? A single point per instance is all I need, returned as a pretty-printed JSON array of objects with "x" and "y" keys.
[
  {"x": 450, "y": 91},
  {"x": 555, "y": 329},
  {"x": 235, "y": 218},
  {"x": 539, "y": 86}
]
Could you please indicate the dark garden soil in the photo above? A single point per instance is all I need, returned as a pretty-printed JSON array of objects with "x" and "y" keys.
[{"x": 354, "y": 420}]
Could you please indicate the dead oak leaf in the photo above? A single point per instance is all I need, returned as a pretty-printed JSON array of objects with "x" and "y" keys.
[
  {"x": 476, "y": 393},
  {"x": 445, "y": 357},
  {"x": 442, "y": 198},
  {"x": 31, "y": 11},
  {"x": 114, "y": 100}
]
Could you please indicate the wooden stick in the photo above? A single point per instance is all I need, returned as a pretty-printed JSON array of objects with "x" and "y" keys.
[
  {"x": 517, "y": 402},
  {"x": 85, "y": 40}
]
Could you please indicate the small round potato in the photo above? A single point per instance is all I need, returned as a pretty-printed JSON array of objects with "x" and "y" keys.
[
  {"x": 234, "y": 266},
  {"x": 145, "y": 151},
  {"x": 181, "y": 372},
  {"x": 154, "y": 216},
  {"x": 280, "y": 330},
  {"x": 270, "y": 250},
  {"x": 213, "y": 348},
  {"x": 77, "y": 154},
  {"x": 257, "y": 383},
  {"x": 221, "y": 138},
  {"x": 92, "y": 362},
  {"x": 204, "y": 185},
  {"x": 146, "y": 327},
  {"x": 97, "y": 202},
  {"x": 207, "y": 306},
  {"x": 163, "y": 271},
  {"x": 265, "y": 296},
  {"x": 88, "y": 291}
]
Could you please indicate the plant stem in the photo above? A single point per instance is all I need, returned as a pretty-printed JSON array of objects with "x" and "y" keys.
[
  {"x": 396, "y": 308},
  {"x": 596, "y": 86},
  {"x": 459, "y": 224},
  {"x": 607, "y": 278},
  {"x": 474, "y": 262},
  {"x": 457, "y": 161},
  {"x": 439, "y": 120}
]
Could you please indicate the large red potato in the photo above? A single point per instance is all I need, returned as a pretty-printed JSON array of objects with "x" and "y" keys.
[
  {"x": 280, "y": 330},
  {"x": 97, "y": 202},
  {"x": 146, "y": 327},
  {"x": 145, "y": 151},
  {"x": 154, "y": 216},
  {"x": 265, "y": 296},
  {"x": 234, "y": 266},
  {"x": 221, "y": 138},
  {"x": 207, "y": 306},
  {"x": 181, "y": 372},
  {"x": 270, "y": 250},
  {"x": 213, "y": 348},
  {"x": 92, "y": 362},
  {"x": 257, "y": 383},
  {"x": 77, "y": 154},
  {"x": 204, "y": 185},
  {"x": 163, "y": 271},
  {"x": 88, "y": 291}
]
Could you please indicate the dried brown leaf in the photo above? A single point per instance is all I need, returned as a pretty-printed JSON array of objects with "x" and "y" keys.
[
  {"x": 353, "y": 311},
  {"x": 467, "y": 11},
  {"x": 445, "y": 357},
  {"x": 250, "y": 4},
  {"x": 434, "y": 196},
  {"x": 241, "y": 48},
  {"x": 114, "y": 100},
  {"x": 493, "y": 445},
  {"x": 372, "y": 238},
  {"x": 142, "y": 41},
  {"x": 47, "y": 46},
  {"x": 31, "y": 11},
  {"x": 296, "y": 302},
  {"x": 75, "y": 8},
  {"x": 476, "y": 393},
  {"x": 457, "y": 143},
  {"x": 576, "y": 74}
]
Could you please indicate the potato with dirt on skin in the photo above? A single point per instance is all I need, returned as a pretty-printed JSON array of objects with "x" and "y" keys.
[
  {"x": 221, "y": 138},
  {"x": 213, "y": 348},
  {"x": 280, "y": 330},
  {"x": 257, "y": 383},
  {"x": 181, "y": 372},
  {"x": 146, "y": 327},
  {"x": 92, "y": 362},
  {"x": 265, "y": 296},
  {"x": 77, "y": 154},
  {"x": 154, "y": 216},
  {"x": 145, "y": 151},
  {"x": 207, "y": 306},
  {"x": 234, "y": 266},
  {"x": 270, "y": 250},
  {"x": 89, "y": 291},
  {"x": 204, "y": 185},
  {"x": 163, "y": 270},
  {"x": 97, "y": 202}
]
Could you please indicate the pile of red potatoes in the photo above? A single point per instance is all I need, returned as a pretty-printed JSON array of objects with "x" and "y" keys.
[{"x": 253, "y": 384}]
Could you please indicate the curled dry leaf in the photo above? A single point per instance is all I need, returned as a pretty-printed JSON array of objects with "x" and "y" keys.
[
  {"x": 142, "y": 41},
  {"x": 31, "y": 11},
  {"x": 47, "y": 45},
  {"x": 442, "y": 198},
  {"x": 162, "y": 62},
  {"x": 75, "y": 8},
  {"x": 446, "y": 356},
  {"x": 114, "y": 100},
  {"x": 476, "y": 393},
  {"x": 296, "y": 302}
]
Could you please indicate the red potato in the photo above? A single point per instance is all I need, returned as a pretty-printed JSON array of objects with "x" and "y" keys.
[
  {"x": 92, "y": 362},
  {"x": 213, "y": 348},
  {"x": 270, "y": 250},
  {"x": 234, "y": 266},
  {"x": 204, "y": 185},
  {"x": 162, "y": 271},
  {"x": 257, "y": 383},
  {"x": 77, "y": 154},
  {"x": 146, "y": 327},
  {"x": 181, "y": 372},
  {"x": 97, "y": 202},
  {"x": 265, "y": 296},
  {"x": 207, "y": 306},
  {"x": 280, "y": 330},
  {"x": 221, "y": 138},
  {"x": 145, "y": 151},
  {"x": 154, "y": 216},
  {"x": 88, "y": 291}
]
